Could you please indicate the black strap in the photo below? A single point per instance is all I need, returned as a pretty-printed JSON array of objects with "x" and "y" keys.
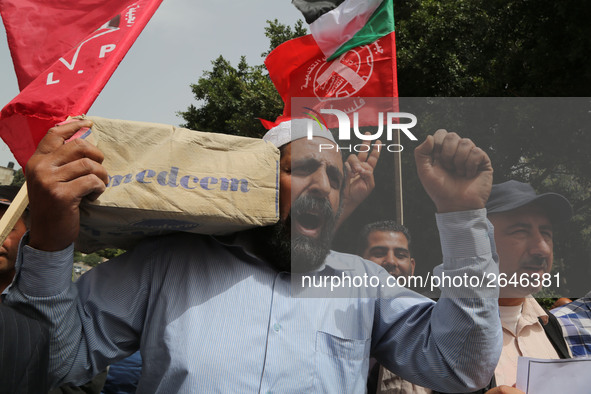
[{"x": 554, "y": 333}]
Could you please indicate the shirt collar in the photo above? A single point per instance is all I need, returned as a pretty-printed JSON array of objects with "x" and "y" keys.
[{"x": 532, "y": 311}]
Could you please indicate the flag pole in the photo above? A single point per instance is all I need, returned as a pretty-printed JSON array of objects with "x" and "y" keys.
[
  {"x": 14, "y": 212},
  {"x": 398, "y": 182}
]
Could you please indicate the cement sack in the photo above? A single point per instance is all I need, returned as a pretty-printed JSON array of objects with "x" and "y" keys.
[{"x": 164, "y": 179}]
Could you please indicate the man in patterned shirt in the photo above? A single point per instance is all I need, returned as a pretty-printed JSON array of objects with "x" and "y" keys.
[{"x": 575, "y": 319}]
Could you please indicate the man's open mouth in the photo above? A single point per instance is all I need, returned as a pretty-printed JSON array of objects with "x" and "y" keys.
[{"x": 309, "y": 223}]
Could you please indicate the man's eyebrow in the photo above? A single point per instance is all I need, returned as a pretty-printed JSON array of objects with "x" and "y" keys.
[
  {"x": 334, "y": 171},
  {"x": 547, "y": 227},
  {"x": 385, "y": 247},
  {"x": 519, "y": 225},
  {"x": 377, "y": 248},
  {"x": 305, "y": 162},
  {"x": 529, "y": 226},
  {"x": 331, "y": 169}
]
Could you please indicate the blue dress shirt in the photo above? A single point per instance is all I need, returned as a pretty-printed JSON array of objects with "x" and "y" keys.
[{"x": 210, "y": 317}]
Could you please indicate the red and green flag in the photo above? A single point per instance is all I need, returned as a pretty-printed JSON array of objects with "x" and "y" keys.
[
  {"x": 340, "y": 25},
  {"x": 358, "y": 70}
]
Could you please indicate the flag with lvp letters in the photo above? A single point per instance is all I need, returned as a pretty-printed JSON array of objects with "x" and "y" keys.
[{"x": 63, "y": 57}]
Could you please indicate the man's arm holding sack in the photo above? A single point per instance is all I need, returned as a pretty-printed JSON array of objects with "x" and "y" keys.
[{"x": 59, "y": 176}]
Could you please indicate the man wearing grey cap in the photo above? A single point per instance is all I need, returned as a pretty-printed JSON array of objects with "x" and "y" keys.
[
  {"x": 213, "y": 314},
  {"x": 524, "y": 224}
]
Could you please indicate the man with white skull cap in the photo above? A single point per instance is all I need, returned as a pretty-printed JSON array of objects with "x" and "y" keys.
[{"x": 231, "y": 315}]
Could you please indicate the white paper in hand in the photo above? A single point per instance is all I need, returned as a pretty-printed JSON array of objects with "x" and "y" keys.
[{"x": 539, "y": 376}]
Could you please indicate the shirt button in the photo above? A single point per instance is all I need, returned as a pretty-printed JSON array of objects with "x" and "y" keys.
[{"x": 276, "y": 327}]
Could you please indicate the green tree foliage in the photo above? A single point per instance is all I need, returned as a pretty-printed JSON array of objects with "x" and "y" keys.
[
  {"x": 96, "y": 258},
  {"x": 78, "y": 256},
  {"x": 19, "y": 178},
  {"x": 109, "y": 253},
  {"x": 439, "y": 47},
  {"x": 231, "y": 99},
  {"x": 278, "y": 33},
  {"x": 493, "y": 48},
  {"x": 92, "y": 259}
]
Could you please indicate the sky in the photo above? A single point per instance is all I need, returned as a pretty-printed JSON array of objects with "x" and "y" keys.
[{"x": 152, "y": 83}]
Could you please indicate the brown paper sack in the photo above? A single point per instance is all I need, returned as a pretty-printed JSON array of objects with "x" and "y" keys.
[{"x": 164, "y": 179}]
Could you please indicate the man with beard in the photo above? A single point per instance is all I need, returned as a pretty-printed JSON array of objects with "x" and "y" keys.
[
  {"x": 222, "y": 314},
  {"x": 524, "y": 224}
]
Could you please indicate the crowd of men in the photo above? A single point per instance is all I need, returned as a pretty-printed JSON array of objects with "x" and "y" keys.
[{"x": 225, "y": 314}]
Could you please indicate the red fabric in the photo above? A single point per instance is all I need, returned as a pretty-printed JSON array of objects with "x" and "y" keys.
[
  {"x": 64, "y": 52},
  {"x": 268, "y": 124},
  {"x": 298, "y": 68}
]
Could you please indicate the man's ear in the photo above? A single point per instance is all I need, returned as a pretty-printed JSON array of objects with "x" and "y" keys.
[{"x": 412, "y": 264}]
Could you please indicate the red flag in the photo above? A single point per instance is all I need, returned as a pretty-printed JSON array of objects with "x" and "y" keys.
[
  {"x": 63, "y": 60},
  {"x": 298, "y": 68}
]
